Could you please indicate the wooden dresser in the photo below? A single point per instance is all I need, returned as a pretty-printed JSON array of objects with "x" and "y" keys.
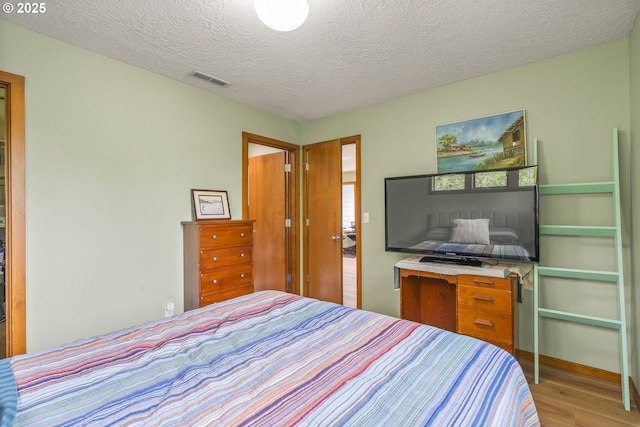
[
  {"x": 217, "y": 261},
  {"x": 471, "y": 304}
]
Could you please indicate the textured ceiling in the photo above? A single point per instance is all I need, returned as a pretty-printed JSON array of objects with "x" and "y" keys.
[{"x": 349, "y": 53}]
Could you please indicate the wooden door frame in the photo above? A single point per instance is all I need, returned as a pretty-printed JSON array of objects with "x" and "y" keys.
[
  {"x": 354, "y": 139},
  {"x": 293, "y": 195},
  {"x": 15, "y": 269}
]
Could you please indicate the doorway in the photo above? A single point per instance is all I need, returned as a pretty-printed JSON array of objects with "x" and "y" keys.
[
  {"x": 349, "y": 228},
  {"x": 332, "y": 233},
  {"x": 12, "y": 86},
  {"x": 270, "y": 197}
]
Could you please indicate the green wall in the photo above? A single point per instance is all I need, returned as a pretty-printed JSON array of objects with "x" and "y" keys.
[
  {"x": 112, "y": 152},
  {"x": 571, "y": 103}
]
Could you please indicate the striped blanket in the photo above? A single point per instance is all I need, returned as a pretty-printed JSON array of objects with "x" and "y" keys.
[{"x": 272, "y": 359}]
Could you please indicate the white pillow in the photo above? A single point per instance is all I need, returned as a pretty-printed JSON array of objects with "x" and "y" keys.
[{"x": 470, "y": 231}]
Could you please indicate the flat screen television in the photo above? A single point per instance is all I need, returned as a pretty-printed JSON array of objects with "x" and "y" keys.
[{"x": 464, "y": 217}]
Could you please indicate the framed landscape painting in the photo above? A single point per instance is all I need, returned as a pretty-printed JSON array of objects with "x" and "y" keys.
[{"x": 491, "y": 142}]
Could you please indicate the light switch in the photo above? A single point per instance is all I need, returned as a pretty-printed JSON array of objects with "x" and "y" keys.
[{"x": 365, "y": 217}]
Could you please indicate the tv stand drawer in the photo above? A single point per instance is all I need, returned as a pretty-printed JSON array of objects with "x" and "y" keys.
[
  {"x": 485, "y": 324},
  {"x": 485, "y": 299},
  {"x": 479, "y": 306},
  {"x": 485, "y": 282}
]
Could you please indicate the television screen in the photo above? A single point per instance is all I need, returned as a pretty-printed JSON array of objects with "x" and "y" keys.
[{"x": 464, "y": 217}]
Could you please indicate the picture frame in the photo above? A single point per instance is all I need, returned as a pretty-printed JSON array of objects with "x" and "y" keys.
[
  {"x": 210, "y": 204},
  {"x": 490, "y": 142}
]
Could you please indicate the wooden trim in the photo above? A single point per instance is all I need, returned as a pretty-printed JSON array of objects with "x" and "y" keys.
[
  {"x": 294, "y": 194},
  {"x": 576, "y": 367},
  {"x": 270, "y": 142},
  {"x": 634, "y": 392},
  {"x": 15, "y": 214}
]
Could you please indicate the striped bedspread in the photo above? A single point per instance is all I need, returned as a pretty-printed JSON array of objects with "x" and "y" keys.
[{"x": 272, "y": 359}]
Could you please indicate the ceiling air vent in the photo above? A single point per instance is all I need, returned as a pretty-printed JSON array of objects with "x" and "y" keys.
[{"x": 209, "y": 78}]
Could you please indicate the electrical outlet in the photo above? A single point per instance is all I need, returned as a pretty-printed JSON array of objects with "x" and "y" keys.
[{"x": 168, "y": 309}]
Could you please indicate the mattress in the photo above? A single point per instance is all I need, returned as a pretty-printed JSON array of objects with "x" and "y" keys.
[{"x": 270, "y": 358}]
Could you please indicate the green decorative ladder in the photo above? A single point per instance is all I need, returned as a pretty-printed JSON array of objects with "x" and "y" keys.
[{"x": 616, "y": 277}]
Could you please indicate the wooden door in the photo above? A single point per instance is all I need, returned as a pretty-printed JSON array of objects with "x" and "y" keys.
[
  {"x": 267, "y": 206},
  {"x": 252, "y": 145},
  {"x": 15, "y": 267},
  {"x": 323, "y": 221}
]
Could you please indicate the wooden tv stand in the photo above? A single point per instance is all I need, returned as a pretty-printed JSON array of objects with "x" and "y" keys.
[{"x": 470, "y": 304}]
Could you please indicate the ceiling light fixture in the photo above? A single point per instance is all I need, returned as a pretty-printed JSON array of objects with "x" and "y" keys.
[{"x": 282, "y": 15}]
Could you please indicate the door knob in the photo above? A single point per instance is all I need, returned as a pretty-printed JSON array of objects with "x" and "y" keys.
[{"x": 336, "y": 237}]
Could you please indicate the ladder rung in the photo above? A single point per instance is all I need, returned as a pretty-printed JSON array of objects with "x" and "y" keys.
[
  {"x": 593, "y": 187},
  {"x": 575, "y": 230},
  {"x": 571, "y": 273},
  {"x": 580, "y": 318},
  {"x": 611, "y": 188}
]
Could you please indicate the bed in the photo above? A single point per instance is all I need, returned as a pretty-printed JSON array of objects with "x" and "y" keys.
[{"x": 269, "y": 358}]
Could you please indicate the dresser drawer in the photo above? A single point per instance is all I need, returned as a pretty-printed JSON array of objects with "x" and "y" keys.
[
  {"x": 211, "y": 237},
  {"x": 224, "y": 257},
  {"x": 485, "y": 298},
  {"x": 484, "y": 324},
  {"x": 485, "y": 282},
  {"x": 210, "y": 298},
  {"x": 218, "y": 280},
  {"x": 218, "y": 261}
]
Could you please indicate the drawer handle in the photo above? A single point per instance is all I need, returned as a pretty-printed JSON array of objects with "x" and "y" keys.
[
  {"x": 215, "y": 258},
  {"x": 241, "y": 234},
  {"x": 242, "y": 275},
  {"x": 481, "y": 297},
  {"x": 483, "y": 322},
  {"x": 214, "y": 237},
  {"x": 214, "y": 281},
  {"x": 483, "y": 282},
  {"x": 241, "y": 255}
]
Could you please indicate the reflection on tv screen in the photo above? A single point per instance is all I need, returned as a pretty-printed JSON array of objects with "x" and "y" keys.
[{"x": 488, "y": 215}]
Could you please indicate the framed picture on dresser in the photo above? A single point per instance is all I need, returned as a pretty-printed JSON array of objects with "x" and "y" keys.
[{"x": 210, "y": 204}]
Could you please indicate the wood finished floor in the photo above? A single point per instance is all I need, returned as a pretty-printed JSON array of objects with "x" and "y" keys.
[
  {"x": 349, "y": 283},
  {"x": 565, "y": 398}
]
